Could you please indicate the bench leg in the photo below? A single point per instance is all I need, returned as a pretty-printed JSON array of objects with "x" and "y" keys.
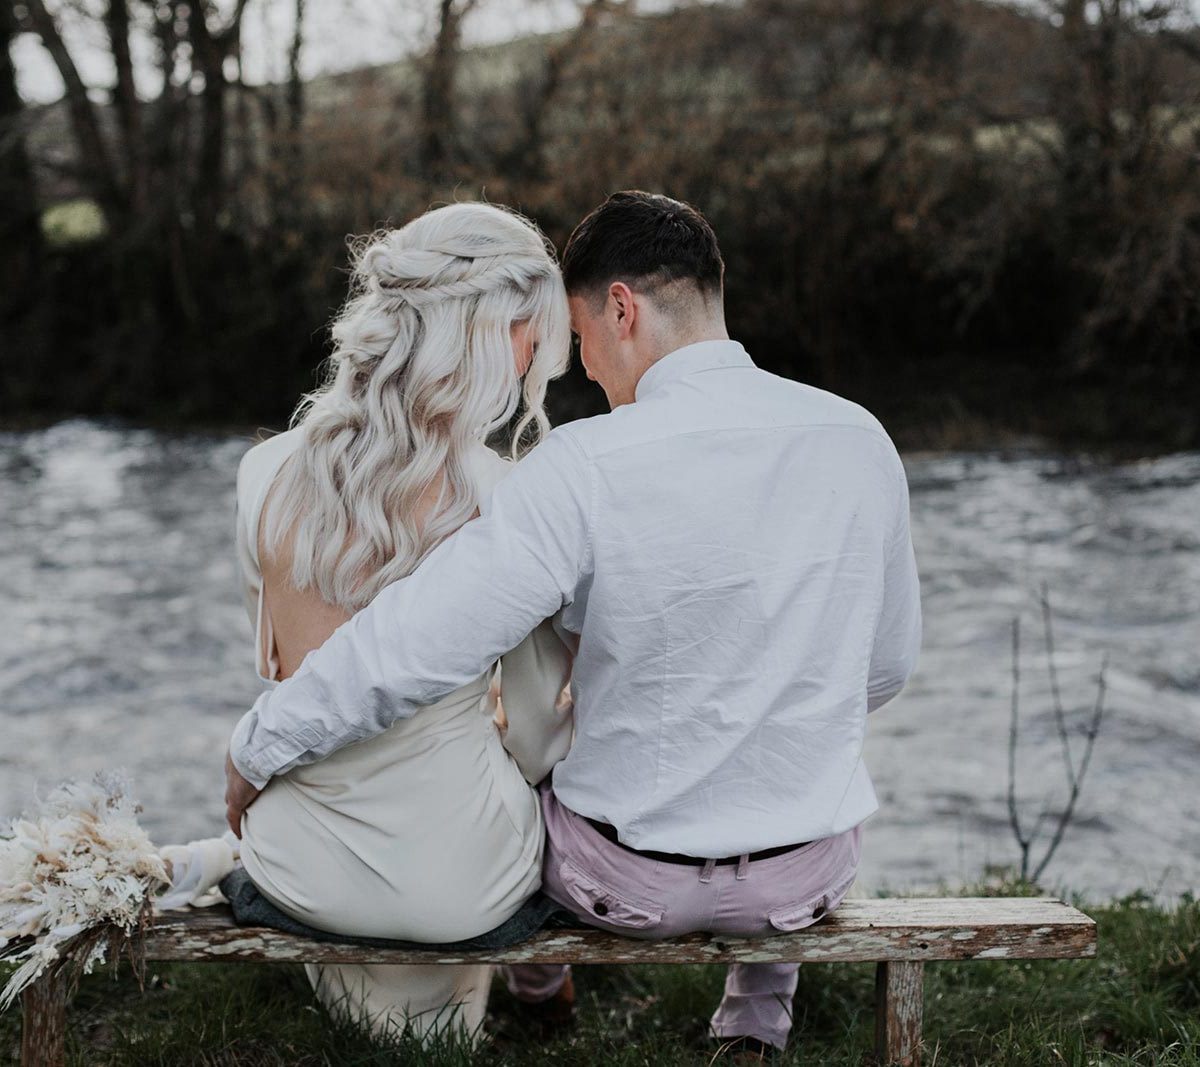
[
  {"x": 899, "y": 996},
  {"x": 44, "y": 1022}
]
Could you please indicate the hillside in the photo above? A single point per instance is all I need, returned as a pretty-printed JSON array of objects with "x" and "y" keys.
[{"x": 765, "y": 58}]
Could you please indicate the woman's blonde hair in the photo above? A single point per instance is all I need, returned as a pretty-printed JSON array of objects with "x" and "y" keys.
[{"x": 422, "y": 371}]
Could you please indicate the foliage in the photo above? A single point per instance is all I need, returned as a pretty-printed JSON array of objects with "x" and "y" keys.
[{"x": 974, "y": 219}]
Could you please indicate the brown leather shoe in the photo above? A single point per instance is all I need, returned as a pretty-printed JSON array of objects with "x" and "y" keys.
[{"x": 544, "y": 1020}]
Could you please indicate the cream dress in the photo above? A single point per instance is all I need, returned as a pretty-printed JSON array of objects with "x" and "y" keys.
[{"x": 429, "y": 831}]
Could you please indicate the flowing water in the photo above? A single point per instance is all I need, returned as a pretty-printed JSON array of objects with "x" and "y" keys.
[{"x": 123, "y": 643}]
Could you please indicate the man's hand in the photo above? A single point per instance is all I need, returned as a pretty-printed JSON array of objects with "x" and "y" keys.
[{"x": 239, "y": 795}]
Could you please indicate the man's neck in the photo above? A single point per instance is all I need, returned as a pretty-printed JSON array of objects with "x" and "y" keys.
[{"x": 713, "y": 331}]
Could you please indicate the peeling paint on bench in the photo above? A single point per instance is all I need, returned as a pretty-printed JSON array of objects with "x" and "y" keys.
[
  {"x": 859, "y": 930},
  {"x": 899, "y": 935}
]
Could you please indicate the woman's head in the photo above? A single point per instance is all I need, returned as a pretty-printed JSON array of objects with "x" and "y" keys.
[
  {"x": 428, "y": 352},
  {"x": 433, "y": 304}
]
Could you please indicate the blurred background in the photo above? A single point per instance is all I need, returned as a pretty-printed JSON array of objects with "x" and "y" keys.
[
  {"x": 980, "y": 220},
  {"x": 973, "y": 218}
]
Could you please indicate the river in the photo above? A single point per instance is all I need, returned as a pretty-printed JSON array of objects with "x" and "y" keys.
[{"x": 124, "y": 644}]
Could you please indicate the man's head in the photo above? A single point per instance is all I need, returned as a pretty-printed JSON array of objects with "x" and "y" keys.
[{"x": 644, "y": 276}]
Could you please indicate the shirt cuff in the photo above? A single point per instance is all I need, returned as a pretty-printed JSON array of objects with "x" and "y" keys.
[{"x": 239, "y": 748}]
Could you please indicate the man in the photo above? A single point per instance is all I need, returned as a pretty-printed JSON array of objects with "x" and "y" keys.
[{"x": 731, "y": 554}]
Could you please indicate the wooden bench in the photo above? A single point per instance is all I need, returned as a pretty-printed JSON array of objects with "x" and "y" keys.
[{"x": 899, "y": 935}]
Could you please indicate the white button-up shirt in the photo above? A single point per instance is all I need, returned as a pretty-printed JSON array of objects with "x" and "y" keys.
[{"x": 732, "y": 560}]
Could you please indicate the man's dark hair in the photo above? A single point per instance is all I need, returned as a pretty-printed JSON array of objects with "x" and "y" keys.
[{"x": 642, "y": 239}]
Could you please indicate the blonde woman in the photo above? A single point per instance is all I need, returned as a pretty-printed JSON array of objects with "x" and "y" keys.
[{"x": 430, "y": 831}]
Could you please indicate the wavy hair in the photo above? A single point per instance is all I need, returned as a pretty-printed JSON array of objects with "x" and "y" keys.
[{"x": 421, "y": 372}]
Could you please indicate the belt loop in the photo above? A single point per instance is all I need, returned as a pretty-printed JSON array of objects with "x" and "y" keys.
[
  {"x": 707, "y": 873},
  {"x": 743, "y": 867}
]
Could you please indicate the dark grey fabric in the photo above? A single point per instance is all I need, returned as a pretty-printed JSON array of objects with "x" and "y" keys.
[{"x": 251, "y": 908}]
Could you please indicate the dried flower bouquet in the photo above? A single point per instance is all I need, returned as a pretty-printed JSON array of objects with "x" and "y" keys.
[{"x": 77, "y": 875}]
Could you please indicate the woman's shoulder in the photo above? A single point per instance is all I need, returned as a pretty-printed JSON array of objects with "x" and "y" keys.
[
  {"x": 489, "y": 468},
  {"x": 256, "y": 472},
  {"x": 261, "y": 462}
]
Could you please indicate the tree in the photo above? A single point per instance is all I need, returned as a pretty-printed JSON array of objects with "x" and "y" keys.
[
  {"x": 20, "y": 225},
  {"x": 437, "y": 103},
  {"x": 527, "y": 155},
  {"x": 212, "y": 45},
  {"x": 96, "y": 163},
  {"x": 159, "y": 165},
  {"x": 127, "y": 105}
]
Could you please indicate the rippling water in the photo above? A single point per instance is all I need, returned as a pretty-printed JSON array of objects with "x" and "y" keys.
[{"x": 124, "y": 643}]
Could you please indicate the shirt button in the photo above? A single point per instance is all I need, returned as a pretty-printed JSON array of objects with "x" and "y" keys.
[
  {"x": 818, "y": 911},
  {"x": 600, "y": 908}
]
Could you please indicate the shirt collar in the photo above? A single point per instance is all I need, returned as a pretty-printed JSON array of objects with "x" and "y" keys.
[{"x": 690, "y": 359}]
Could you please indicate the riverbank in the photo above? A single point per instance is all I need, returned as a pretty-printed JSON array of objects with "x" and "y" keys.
[
  {"x": 1137, "y": 1002},
  {"x": 947, "y": 426}
]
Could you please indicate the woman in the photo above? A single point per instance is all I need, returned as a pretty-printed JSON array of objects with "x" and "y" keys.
[{"x": 430, "y": 831}]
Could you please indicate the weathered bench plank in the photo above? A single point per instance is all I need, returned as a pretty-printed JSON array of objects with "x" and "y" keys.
[
  {"x": 898, "y": 935},
  {"x": 860, "y": 930}
]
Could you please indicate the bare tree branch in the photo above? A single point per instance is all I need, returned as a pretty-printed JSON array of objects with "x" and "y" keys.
[
  {"x": 210, "y": 49},
  {"x": 85, "y": 122},
  {"x": 128, "y": 108},
  {"x": 1060, "y": 719},
  {"x": 1023, "y": 842},
  {"x": 437, "y": 110},
  {"x": 1069, "y": 811},
  {"x": 295, "y": 81},
  {"x": 1075, "y": 775},
  {"x": 21, "y": 243}
]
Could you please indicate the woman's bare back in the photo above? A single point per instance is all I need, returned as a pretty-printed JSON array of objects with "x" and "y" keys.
[{"x": 301, "y": 619}]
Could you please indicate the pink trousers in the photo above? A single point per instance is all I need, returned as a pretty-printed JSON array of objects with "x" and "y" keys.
[{"x": 610, "y": 887}]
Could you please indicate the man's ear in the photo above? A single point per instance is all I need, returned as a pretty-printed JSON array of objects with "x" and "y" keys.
[{"x": 626, "y": 308}]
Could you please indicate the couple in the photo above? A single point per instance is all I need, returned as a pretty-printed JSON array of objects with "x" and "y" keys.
[{"x": 720, "y": 570}]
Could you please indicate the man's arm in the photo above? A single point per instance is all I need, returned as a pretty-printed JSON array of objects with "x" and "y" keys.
[
  {"x": 475, "y": 597},
  {"x": 898, "y": 634}
]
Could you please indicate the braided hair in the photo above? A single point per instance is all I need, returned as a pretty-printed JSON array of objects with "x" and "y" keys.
[{"x": 422, "y": 370}]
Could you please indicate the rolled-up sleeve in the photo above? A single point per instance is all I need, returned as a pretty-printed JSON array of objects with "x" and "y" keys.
[
  {"x": 897, "y": 641},
  {"x": 475, "y": 597}
]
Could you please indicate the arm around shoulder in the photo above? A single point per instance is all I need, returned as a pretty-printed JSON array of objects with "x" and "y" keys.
[{"x": 479, "y": 594}]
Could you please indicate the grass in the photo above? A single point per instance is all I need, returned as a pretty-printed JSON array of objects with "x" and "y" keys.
[{"x": 1138, "y": 1002}]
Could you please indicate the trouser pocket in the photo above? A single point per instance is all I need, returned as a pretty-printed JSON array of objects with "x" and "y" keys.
[
  {"x": 797, "y": 914},
  {"x": 603, "y": 904}
]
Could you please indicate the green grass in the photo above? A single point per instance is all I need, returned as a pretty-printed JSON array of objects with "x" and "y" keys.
[{"x": 1138, "y": 1002}]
